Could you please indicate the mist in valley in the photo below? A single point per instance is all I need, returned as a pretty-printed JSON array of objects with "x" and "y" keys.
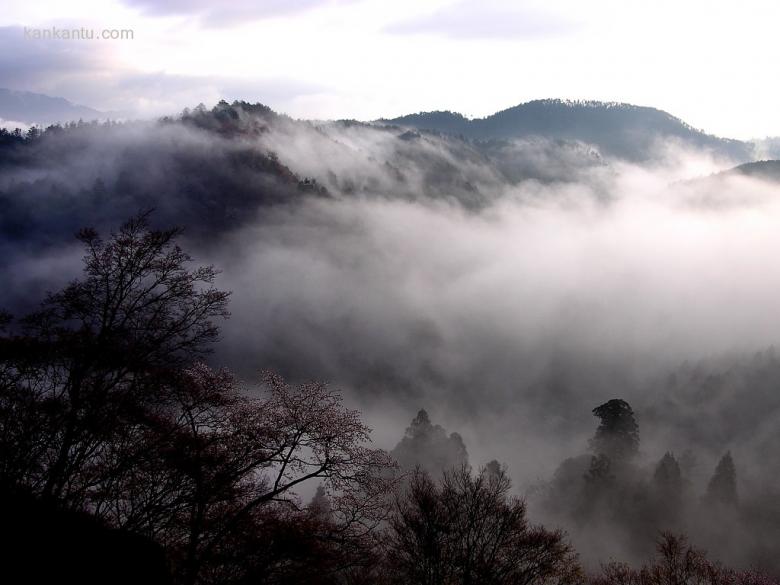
[{"x": 507, "y": 287}]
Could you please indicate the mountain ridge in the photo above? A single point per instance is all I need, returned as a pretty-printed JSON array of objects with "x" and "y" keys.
[
  {"x": 620, "y": 129},
  {"x": 37, "y": 108},
  {"x": 766, "y": 170}
]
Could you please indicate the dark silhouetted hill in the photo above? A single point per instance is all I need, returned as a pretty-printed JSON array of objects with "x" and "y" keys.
[
  {"x": 621, "y": 130},
  {"x": 42, "y": 543},
  {"x": 764, "y": 170},
  {"x": 768, "y": 170}
]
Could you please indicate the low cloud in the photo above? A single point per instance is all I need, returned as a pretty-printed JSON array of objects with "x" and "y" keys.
[{"x": 424, "y": 271}]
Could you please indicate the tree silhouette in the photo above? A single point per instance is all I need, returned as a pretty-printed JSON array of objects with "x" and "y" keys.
[
  {"x": 617, "y": 436},
  {"x": 600, "y": 473},
  {"x": 84, "y": 368},
  {"x": 666, "y": 497},
  {"x": 469, "y": 530},
  {"x": 103, "y": 412},
  {"x": 428, "y": 446},
  {"x": 667, "y": 477},
  {"x": 219, "y": 463},
  {"x": 678, "y": 563},
  {"x": 722, "y": 487}
]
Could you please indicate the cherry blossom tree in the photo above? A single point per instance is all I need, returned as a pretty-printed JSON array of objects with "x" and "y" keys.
[{"x": 222, "y": 462}]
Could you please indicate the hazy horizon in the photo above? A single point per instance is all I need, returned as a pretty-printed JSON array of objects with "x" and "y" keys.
[{"x": 700, "y": 61}]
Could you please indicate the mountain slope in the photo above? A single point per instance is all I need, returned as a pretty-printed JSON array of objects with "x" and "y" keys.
[
  {"x": 621, "y": 130},
  {"x": 37, "y": 108},
  {"x": 768, "y": 170}
]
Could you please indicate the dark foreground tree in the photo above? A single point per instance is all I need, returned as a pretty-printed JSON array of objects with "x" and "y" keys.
[
  {"x": 105, "y": 411},
  {"x": 77, "y": 375},
  {"x": 469, "y": 530},
  {"x": 223, "y": 466}
]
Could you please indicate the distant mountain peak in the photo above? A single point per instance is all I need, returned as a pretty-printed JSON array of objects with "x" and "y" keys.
[{"x": 618, "y": 129}]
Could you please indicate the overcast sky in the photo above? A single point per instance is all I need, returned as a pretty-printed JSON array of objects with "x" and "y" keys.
[{"x": 713, "y": 63}]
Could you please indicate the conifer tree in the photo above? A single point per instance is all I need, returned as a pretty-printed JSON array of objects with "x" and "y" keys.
[
  {"x": 722, "y": 487},
  {"x": 617, "y": 436}
]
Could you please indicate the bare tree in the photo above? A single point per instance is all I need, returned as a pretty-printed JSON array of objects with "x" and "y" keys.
[
  {"x": 678, "y": 563},
  {"x": 102, "y": 411},
  {"x": 469, "y": 530},
  {"x": 83, "y": 367}
]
